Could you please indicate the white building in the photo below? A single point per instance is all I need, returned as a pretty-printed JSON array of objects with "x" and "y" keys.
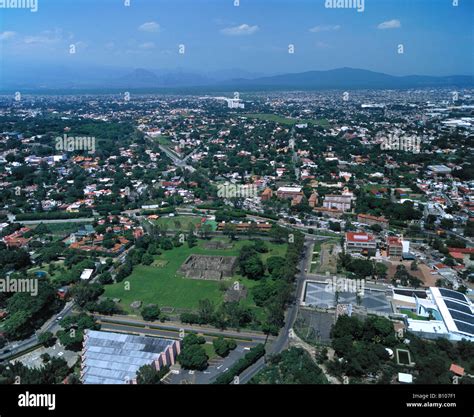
[{"x": 442, "y": 313}]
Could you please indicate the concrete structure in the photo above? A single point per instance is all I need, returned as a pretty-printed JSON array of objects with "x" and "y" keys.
[
  {"x": 322, "y": 295},
  {"x": 115, "y": 358},
  {"x": 394, "y": 247},
  {"x": 358, "y": 242},
  {"x": 437, "y": 312},
  {"x": 289, "y": 193},
  {"x": 208, "y": 267},
  {"x": 330, "y": 213},
  {"x": 87, "y": 274},
  {"x": 245, "y": 226},
  {"x": 405, "y": 378},
  {"x": 438, "y": 170},
  {"x": 338, "y": 202}
]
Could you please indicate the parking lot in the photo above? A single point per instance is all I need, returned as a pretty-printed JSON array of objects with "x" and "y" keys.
[
  {"x": 33, "y": 359},
  {"x": 216, "y": 367}
]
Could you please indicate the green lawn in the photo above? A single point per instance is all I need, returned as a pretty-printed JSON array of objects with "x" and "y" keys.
[
  {"x": 178, "y": 223},
  {"x": 209, "y": 349},
  {"x": 64, "y": 228},
  {"x": 61, "y": 230},
  {"x": 162, "y": 286},
  {"x": 286, "y": 120},
  {"x": 163, "y": 140},
  {"x": 56, "y": 274},
  {"x": 413, "y": 315}
]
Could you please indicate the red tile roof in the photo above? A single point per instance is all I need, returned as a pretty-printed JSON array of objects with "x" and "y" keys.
[
  {"x": 359, "y": 237},
  {"x": 456, "y": 369}
]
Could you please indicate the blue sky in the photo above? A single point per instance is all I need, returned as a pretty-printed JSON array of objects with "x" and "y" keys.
[{"x": 437, "y": 36}]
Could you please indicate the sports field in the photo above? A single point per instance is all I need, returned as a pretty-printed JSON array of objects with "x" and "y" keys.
[{"x": 162, "y": 286}]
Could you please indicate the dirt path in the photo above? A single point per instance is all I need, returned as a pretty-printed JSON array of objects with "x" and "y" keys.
[{"x": 297, "y": 342}]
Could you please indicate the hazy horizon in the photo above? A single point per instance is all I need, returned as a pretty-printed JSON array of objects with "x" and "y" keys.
[{"x": 256, "y": 38}]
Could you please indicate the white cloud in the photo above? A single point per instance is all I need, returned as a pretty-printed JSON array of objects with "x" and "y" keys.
[
  {"x": 46, "y": 37},
  {"x": 390, "y": 24},
  {"x": 325, "y": 28},
  {"x": 149, "y": 27},
  {"x": 4, "y": 36},
  {"x": 147, "y": 45},
  {"x": 241, "y": 30}
]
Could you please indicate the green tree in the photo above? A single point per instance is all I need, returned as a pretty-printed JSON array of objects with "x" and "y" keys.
[
  {"x": 47, "y": 339},
  {"x": 193, "y": 357},
  {"x": 230, "y": 231},
  {"x": 151, "y": 313},
  {"x": 223, "y": 346},
  {"x": 147, "y": 259},
  {"x": 380, "y": 270},
  {"x": 206, "y": 311},
  {"x": 149, "y": 375},
  {"x": 192, "y": 240}
]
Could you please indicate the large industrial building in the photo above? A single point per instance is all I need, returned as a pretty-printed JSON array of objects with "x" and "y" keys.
[
  {"x": 115, "y": 358},
  {"x": 436, "y": 312}
]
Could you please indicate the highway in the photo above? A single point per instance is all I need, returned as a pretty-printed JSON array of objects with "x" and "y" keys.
[
  {"x": 172, "y": 330},
  {"x": 52, "y": 325}
]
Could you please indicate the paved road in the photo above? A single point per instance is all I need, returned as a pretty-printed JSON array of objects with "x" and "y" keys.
[
  {"x": 163, "y": 333},
  {"x": 80, "y": 220},
  {"x": 176, "y": 161},
  {"x": 51, "y": 325},
  {"x": 295, "y": 158},
  {"x": 172, "y": 329},
  {"x": 281, "y": 342},
  {"x": 216, "y": 367}
]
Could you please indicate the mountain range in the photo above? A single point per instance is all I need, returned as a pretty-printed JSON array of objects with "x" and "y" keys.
[{"x": 228, "y": 80}]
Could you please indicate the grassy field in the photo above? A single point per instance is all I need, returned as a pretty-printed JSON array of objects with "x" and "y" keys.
[
  {"x": 209, "y": 349},
  {"x": 164, "y": 140},
  {"x": 286, "y": 120},
  {"x": 164, "y": 287},
  {"x": 62, "y": 230},
  {"x": 315, "y": 259},
  {"x": 68, "y": 227},
  {"x": 178, "y": 223},
  {"x": 56, "y": 274}
]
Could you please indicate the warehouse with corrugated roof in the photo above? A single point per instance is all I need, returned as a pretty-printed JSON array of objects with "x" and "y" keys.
[{"x": 115, "y": 358}]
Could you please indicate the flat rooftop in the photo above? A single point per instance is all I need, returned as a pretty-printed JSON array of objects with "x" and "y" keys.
[
  {"x": 114, "y": 358},
  {"x": 317, "y": 295}
]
